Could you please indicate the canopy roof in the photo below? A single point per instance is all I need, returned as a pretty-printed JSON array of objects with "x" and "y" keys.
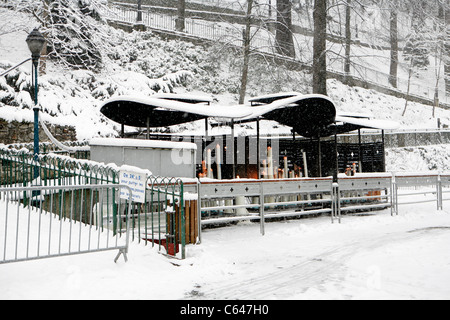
[{"x": 308, "y": 115}]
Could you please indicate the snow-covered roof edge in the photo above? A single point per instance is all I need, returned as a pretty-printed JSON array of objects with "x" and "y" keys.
[{"x": 141, "y": 143}]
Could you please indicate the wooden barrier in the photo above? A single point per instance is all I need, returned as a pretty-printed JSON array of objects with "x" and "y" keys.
[
  {"x": 191, "y": 222},
  {"x": 191, "y": 226}
]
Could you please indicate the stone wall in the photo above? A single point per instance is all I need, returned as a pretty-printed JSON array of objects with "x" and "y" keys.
[{"x": 23, "y": 132}]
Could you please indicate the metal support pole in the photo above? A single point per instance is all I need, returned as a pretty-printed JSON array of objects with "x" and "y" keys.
[
  {"x": 261, "y": 207},
  {"x": 439, "y": 193},
  {"x": 336, "y": 169},
  {"x": 36, "y": 121},
  {"x": 319, "y": 157},
  {"x": 384, "y": 152},
  {"x": 336, "y": 203},
  {"x": 234, "y": 148},
  {"x": 199, "y": 211},
  {"x": 258, "y": 156},
  {"x": 394, "y": 199},
  {"x": 36, "y": 109},
  {"x": 359, "y": 151}
]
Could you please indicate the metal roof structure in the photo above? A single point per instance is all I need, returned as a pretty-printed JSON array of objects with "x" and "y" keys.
[{"x": 309, "y": 115}]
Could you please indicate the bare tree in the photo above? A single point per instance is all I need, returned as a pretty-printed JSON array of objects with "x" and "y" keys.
[
  {"x": 393, "y": 32},
  {"x": 284, "y": 36},
  {"x": 180, "y": 22},
  {"x": 348, "y": 36},
  {"x": 71, "y": 34},
  {"x": 447, "y": 46},
  {"x": 139, "y": 13},
  {"x": 320, "y": 47},
  {"x": 247, "y": 40}
]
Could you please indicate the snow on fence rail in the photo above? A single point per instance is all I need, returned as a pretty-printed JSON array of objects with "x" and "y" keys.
[
  {"x": 21, "y": 168},
  {"x": 159, "y": 220},
  {"x": 165, "y": 218},
  {"x": 222, "y": 202},
  {"x": 420, "y": 188},
  {"x": 52, "y": 222}
]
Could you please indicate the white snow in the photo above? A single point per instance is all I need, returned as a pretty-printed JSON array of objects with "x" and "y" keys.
[
  {"x": 365, "y": 257},
  {"x": 157, "y": 144}
]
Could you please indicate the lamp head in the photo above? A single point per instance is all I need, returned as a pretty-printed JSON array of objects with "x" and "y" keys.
[{"x": 35, "y": 42}]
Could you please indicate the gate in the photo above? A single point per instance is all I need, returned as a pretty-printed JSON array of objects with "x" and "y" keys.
[{"x": 62, "y": 220}]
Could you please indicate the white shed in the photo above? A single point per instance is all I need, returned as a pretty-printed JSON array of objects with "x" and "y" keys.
[{"x": 162, "y": 158}]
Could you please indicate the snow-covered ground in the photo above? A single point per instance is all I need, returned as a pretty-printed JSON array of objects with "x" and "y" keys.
[{"x": 365, "y": 257}]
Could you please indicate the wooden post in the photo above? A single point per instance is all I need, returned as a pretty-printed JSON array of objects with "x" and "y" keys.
[{"x": 191, "y": 226}]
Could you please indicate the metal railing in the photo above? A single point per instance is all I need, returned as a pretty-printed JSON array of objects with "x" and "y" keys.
[
  {"x": 62, "y": 220},
  {"x": 159, "y": 220},
  {"x": 264, "y": 41},
  {"x": 19, "y": 169},
  {"x": 420, "y": 188},
  {"x": 224, "y": 202}
]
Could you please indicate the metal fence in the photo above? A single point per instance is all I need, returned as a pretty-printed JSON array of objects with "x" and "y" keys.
[
  {"x": 264, "y": 41},
  {"x": 49, "y": 147},
  {"x": 225, "y": 202},
  {"x": 420, "y": 188},
  {"x": 62, "y": 220},
  {"x": 222, "y": 202},
  {"x": 159, "y": 220},
  {"x": 18, "y": 168}
]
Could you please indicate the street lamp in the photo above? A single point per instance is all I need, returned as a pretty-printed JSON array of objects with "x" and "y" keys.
[{"x": 35, "y": 42}]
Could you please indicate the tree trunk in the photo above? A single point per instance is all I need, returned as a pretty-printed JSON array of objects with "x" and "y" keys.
[
  {"x": 43, "y": 60},
  {"x": 320, "y": 47},
  {"x": 348, "y": 37},
  {"x": 181, "y": 19},
  {"x": 409, "y": 86},
  {"x": 284, "y": 37},
  {"x": 393, "y": 73},
  {"x": 139, "y": 13},
  {"x": 447, "y": 50},
  {"x": 246, "y": 45}
]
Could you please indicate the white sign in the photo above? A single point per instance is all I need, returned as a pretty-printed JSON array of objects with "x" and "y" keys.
[{"x": 136, "y": 182}]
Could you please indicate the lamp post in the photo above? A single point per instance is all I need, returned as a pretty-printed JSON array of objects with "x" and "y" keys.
[{"x": 35, "y": 42}]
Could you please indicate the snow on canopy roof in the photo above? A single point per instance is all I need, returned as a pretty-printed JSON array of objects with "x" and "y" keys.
[
  {"x": 309, "y": 115},
  {"x": 156, "y": 112},
  {"x": 269, "y": 98},
  {"x": 211, "y": 111},
  {"x": 140, "y": 143},
  {"x": 188, "y": 98},
  {"x": 355, "y": 115},
  {"x": 369, "y": 123}
]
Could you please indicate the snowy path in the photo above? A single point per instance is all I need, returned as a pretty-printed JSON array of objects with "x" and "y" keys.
[
  {"x": 365, "y": 257},
  {"x": 335, "y": 269}
]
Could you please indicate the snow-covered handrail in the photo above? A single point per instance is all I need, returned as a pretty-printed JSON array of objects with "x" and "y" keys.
[{"x": 58, "y": 143}]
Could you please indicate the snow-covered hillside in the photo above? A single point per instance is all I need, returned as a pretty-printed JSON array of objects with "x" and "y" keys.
[
  {"x": 419, "y": 159},
  {"x": 140, "y": 63}
]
